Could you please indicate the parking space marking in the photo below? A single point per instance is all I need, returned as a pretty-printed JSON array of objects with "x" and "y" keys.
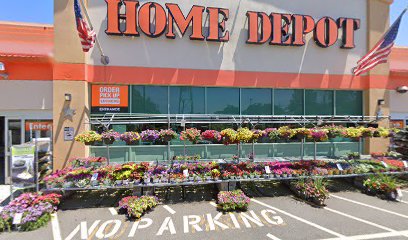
[
  {"x": 272, "y": 237},
  {"x": 373, "y": 236},
  {"x": 360, "y": 220},
  {"x": 113, "y": 211},
  {"x": 213, "y": 204},
  {"x": 56, "y": 231},
  {"x": 169, "y": 209},
  {"x": 370, "y": 206},
  {"x": 301, "y": 219}
]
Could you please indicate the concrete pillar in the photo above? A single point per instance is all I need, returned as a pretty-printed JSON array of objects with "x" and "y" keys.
[{"x": 378, "y": 14}]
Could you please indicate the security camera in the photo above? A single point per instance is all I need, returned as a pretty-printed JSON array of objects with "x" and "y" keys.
[{"x": 402, "y": 89}]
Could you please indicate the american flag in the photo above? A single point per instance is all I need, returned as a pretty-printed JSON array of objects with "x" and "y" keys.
[
  {"x": 86, "y": 34},
  {"x": 379, "y": 54}
]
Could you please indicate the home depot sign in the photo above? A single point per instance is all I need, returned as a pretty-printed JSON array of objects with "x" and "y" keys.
[{"x": 154, "y": 20}]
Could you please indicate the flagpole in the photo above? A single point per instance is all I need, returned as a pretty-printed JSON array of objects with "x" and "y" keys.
[{"x": 104, "y": 59}]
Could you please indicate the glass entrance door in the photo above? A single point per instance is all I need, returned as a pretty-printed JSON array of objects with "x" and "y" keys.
[{"x": 13, "y": 135}]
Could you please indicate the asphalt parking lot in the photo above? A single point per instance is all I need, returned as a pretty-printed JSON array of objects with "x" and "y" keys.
[{"x": 273, "y": 214}]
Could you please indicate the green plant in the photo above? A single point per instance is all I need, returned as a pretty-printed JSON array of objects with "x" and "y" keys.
[
  {"x": 381, "y": 183},
  {"x": 88, "y": 137},
  {"x": 41, "y": 221}
]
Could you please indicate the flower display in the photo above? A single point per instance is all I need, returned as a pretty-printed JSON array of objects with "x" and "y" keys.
[
  {"x": 135, "y": 207},
  {"x": 381, "y": 184},
  {"x": 232, "y": 200},
  {"x": 313, "y": 190},
  {"x": 166, "y": 135},
  {"x": 229, "y": 136},
  {"x": 130, "y": 138},
  {"x": 35, "y": 209},
  {"x": 244, "y": 135},
  {"x": 88, "y": 137},
  {"x": 149, "y": 135},
  {"x": 192, "y": 134},
  {"x": 147, "y": 173},
  {"x": 212, "y": 136}
]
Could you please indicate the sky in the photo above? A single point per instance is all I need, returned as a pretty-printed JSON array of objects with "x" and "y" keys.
[{"x": 41, "y": 11}]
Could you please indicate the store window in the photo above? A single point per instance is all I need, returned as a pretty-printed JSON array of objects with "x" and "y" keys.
[
  {"x": 288, "y": 102},
  {"x": 223, "y": 101},
  {"x": 256, "y": 101},
  {"x": 349, "y": 103},
  {"x": 319, "y": 102},
  {"x": 187, "y": 100},
  {"x": 149, "y": 99}
]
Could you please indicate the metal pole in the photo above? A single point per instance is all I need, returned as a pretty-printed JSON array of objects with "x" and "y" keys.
[
  {"x": 359, "y": 146},
  {"x": 253, "y": 150},
  {"x": 37, "y": 186},
  {"x": 107, "y": 148},
  {"x": 315, "y": 150},
  {"x": 9, "y": 147},
  {"x": 302, "y": 149}
]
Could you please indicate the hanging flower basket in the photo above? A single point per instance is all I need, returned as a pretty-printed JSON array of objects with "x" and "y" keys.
[
  {"x": 130, "y": 138},
  {"x": 110, "y": 137}
]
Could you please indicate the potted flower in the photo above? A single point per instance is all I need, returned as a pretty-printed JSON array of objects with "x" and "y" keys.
[
  {"x": 381, "y": 132},
  {"x": 286, "y": 133},
  {"x": 110, "y": 137},
  {"x": 353, "y": 133},
  {"x": 212, "y": 136},
  {"x": 88, "y": 137},
  {"x": 229, "y": 136},
  {"x": 272, "y": 134},
  {"x": 192, "y": 134},
  {"x": 302, "y": 133},
  {"x": 318, "y": 135},
  {"x": 334, "y": 131},
  {"x": 166, "y": 135},
  {"x": 278, "y": 173},
  {"x": 244, "y": 135},
  {"x": 257, "y": 135},
  {"x": 215, "y": 173},
  {"x": 149, "y": 136},
  {"x": 367, "y": 132},
  {"x": 130, "y": 138}
]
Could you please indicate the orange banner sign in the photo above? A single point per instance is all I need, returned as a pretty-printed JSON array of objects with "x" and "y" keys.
[
  {"x": 110, "y": 98},
  {"x": 35, "y": 126}
]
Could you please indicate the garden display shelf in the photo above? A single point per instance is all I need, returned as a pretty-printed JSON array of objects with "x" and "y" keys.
[{"x": 185, "y": 184}]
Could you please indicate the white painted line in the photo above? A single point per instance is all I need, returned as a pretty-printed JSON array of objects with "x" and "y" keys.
[
  {"x": 113, "y": 211},
  {"x": 213, "y": 204},
  {"x": 301, "y": 219},
  {"x": 56, "y": 231},
  {"x": 370, "y": 206},
  {"x": 360, "y": 220},
  {"x": 401, "y": 201},
  {"x": 373, "y": 236},
  {"x": 404, "y": 191},
  {"x": 169, "y": 209},
  {"x": 272, "y": 237}
]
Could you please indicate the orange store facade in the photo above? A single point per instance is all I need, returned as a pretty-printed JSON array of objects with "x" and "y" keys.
[{"x": 234, "y": 58}]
